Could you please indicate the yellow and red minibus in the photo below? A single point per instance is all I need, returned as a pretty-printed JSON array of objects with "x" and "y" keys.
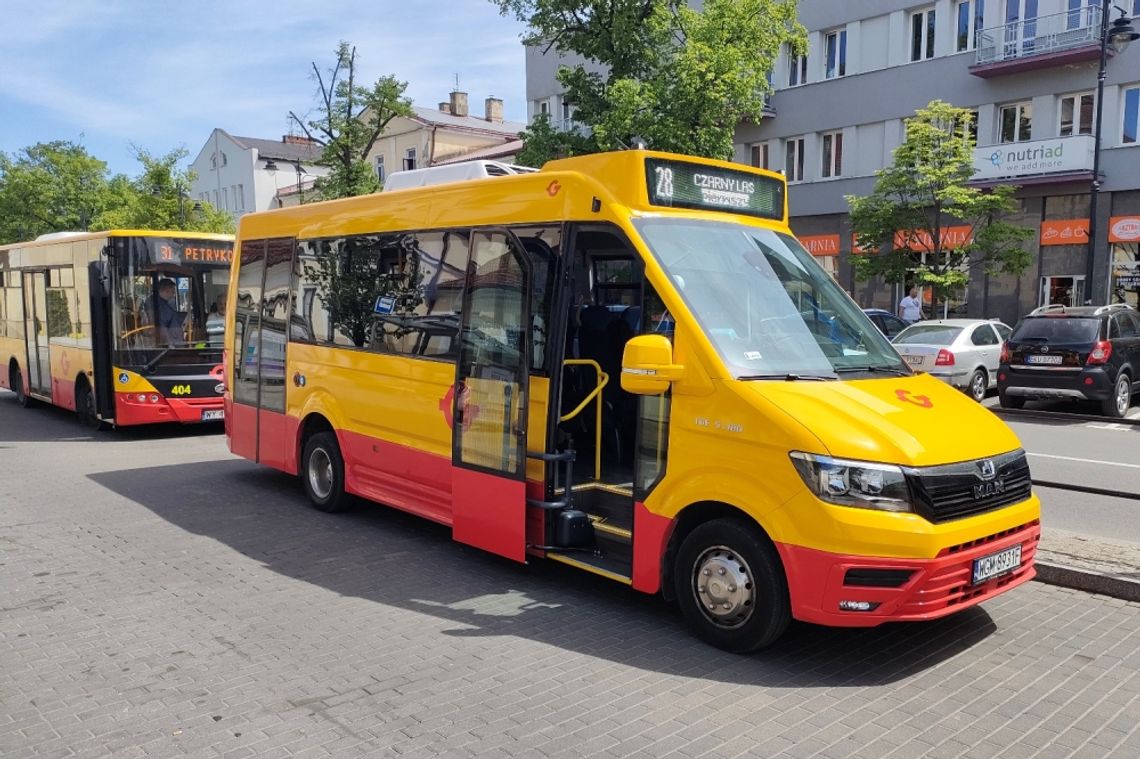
[
  {"x": 623, "y": 362},
  {"x": 116, "y": 326}
]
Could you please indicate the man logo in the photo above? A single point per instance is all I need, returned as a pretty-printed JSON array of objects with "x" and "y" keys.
[{"x": 989, "y": 471}]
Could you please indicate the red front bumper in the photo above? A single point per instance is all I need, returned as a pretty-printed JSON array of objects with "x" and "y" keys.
[
  {"x": 936, "y": 587},
  {"x": 129, "y": 410}
]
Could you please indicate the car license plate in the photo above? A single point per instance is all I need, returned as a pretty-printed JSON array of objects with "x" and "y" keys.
[
  {"x": 1043, "y": 359},
  {"x": 996, "y": 564},
  {"x": 213, "y": 415},
  {"x": 913, "y": 359}
]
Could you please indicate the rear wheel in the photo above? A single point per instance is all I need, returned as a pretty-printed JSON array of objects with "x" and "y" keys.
[
  {"x": 16, "y": 381},
  {"x": 85, "y": 407},
  {"x": 1116, "y": 405},
  {"x": 322, "y": 473},
  {"x": 730, "y": 585},
  {"x": 978, "y": 385},
  {"x": 1010, "y": 401}
]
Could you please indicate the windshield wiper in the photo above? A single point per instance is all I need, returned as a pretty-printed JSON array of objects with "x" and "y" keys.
[
  {"x": 154, "y": 361},
  {"x": 874, "y": 370},
  {"x": 790, "y": 377}
]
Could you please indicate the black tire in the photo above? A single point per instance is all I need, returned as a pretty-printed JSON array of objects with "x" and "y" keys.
[
  {"x": 760, "y": 609},
  {"x": 1011, "y": 401},
  {"x": 1116, "y": 405},
  {"x": 16, "y": 381},
  {"x": 978, "y": 385},
  {"x": 85, "y": 407},
  {"x": 322, "y": 473}
]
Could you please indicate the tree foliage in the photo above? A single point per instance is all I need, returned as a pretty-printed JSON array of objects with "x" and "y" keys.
[
  {"x": 158, "y": 199},
  {"x": 923, "y": 193},
  {"x": 679, "y": 78},
  {"x": 349, "y": 118},
  {"x": 51, "y": 187}
]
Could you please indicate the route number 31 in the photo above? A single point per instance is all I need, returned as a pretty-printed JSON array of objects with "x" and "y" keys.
[{"x": 664, "y": 182}]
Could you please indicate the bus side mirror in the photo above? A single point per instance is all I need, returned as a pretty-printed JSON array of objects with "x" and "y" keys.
[{"x": 647, "y": 365}]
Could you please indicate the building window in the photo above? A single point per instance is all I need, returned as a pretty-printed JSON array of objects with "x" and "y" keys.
[
  {"x": 409, "y": 159},
  {"x": 794, "y": 159},
  {"x": 797, "y": 69},
  {"x": 1076, "y": 114},
  {"x": 1080, "y": 13},
  {"x": 380, "y": 168},
  {"x": 922, "y": 35},
  {"x": 833, "y": 154},
  {"x": 226, "y": 198},
  {"x": 760, "y": 155},
  {"x": 1016, "y": 122},
  {"x": 241, "y": 197},
  {"x": 970, "y": 14},
  {"x": 836, "y": 50},
  {"x": 1131, "y": 115},
  {"x": 565, "y": 110}
]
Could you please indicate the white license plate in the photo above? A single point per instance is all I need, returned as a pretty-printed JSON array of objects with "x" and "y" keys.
[
  {"x": 913, "y": 359},
  {"x": 213, "y": 415},
  {"x": 1043, "y": 359},
  {"x": 996, "y": 564}
]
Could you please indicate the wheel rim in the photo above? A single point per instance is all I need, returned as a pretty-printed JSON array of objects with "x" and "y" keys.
[
  {"x": 978, "y": 387},
  {"x": 1123, "y": 396},
  {"x": 321, "y": 473},
  {"x": 724, "y": 588}
]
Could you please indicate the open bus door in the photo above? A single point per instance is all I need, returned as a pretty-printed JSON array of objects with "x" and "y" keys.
[{"x": 490, "y": 399}]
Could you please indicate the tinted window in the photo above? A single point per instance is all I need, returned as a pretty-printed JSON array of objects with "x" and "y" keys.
[
  {"x": 1135, "y": 319},
  {"x": 1126, "y": 325},
  {"x": 928, "y": 334},
  {"x": 1058, "y": 330},
  {"x": 984, "y": 335},
  {"x": 1003, "y": 331}
]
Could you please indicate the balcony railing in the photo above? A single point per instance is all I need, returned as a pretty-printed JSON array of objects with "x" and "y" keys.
[{"x": 1041, "y": 35}]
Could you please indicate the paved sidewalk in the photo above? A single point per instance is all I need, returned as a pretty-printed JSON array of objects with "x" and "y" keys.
[{"x": 1097, "y": 565}]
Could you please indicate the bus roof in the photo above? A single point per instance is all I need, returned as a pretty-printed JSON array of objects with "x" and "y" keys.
[
  {"x": 59, "y": 237},
  {"x": 562, "y": 189}
]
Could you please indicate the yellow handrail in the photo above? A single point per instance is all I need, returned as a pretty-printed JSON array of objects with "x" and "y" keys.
[{"x": 596, "y": 393}]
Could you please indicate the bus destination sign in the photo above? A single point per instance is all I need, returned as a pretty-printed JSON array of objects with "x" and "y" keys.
[{"x": 676, "y": 184}]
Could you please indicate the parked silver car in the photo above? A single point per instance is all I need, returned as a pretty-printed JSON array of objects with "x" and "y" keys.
[{"x": 964, "y": 353}]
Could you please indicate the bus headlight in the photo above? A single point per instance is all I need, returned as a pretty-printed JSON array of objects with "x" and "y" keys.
[{"x": 861, "y": 484}]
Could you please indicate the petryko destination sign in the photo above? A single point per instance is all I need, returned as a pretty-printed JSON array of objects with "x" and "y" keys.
[{"x": 1060, "y": 155}]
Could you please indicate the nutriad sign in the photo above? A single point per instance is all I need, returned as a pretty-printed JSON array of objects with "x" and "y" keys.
[
  {"x": 821, "y": 245},
  {"x": 1124, "y": 229},
  {"x": 1059, "y": 155}
]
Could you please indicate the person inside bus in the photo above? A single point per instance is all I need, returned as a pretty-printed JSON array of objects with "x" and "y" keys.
[
  {"x": 216, "y": 321},
  {"x": 168, "y": 320}
]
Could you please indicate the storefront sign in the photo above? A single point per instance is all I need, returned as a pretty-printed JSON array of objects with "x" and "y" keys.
[
  {"x": 1019, "y": 159},
  {"x": 921, "y": 240},
  {"x": 1124, "y": 229},
  {"x": 821, "y": 245},
  {"x": 856, "y": 248},
  {"x": 1065, "y": 232}
]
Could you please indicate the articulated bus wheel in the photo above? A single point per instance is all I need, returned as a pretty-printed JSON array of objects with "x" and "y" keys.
[
  {"x": 731, "y": 586},
  {"x": 322, "y": 473},
  {"x": 85, "y": 407},
  {"x": 17, "y": 383}
]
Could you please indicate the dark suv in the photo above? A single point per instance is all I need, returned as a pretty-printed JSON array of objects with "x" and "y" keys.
[{"x": 1085, "y": 352}]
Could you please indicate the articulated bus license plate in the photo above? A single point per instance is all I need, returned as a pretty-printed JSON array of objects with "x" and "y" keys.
[
  {"x": 996, "y": 564},
  {"x": 213, "y": 415}
]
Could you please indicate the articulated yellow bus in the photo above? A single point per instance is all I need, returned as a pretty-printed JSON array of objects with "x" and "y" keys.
[
  {"x": 626, "y": 363},
  {"x": 117, "y": 326}
]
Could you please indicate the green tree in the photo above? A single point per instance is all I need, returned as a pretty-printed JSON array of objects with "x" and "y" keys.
[
  {"x": 350, "y": 117},
  {"x": 681, "y": 79},
  {"x": 924, "y": 192},
  {"x": 51, "y": 187},
  {"x": 159, "y": 199}
]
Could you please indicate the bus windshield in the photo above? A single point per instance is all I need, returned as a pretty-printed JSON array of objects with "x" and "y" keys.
[
  {"x": 169, "y": 299},
  {"x": 769, "y": 309}
]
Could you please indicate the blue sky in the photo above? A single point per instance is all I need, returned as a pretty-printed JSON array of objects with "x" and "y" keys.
[{"x": 161, "y": 74}]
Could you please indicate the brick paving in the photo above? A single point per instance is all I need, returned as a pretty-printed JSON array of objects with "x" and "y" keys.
[{"x": 159, "y": 598}]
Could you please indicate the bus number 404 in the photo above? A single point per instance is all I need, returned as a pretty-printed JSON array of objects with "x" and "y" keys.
[{"x": 180, "y": 390}]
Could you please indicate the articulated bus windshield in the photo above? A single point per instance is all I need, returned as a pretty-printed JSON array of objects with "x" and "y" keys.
[
  {"x": 169, "y": 299},
  {"x": 769, "y": 309}
]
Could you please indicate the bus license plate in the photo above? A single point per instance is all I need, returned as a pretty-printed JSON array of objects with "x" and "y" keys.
[
  {"x": 1000, "y": 563},
  {"x": 1043, "y": 359},
  {"x": 213, "y": 415}
]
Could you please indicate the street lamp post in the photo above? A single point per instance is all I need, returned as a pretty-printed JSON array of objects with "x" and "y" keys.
[{"x": 1119, "y": 36}]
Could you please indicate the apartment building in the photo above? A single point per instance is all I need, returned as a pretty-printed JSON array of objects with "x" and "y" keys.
[{"x": 1028, "y": 68}]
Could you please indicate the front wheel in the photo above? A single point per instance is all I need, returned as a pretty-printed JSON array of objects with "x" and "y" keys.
[
  {"x": 978, "y": 385},
  {"x": 85, "y": 407},
  {"x": 1116, "y": 405},
  {"x": 731, "y": 587},
  {"x": 17, "y": 384},
  {"x": 322, "y": 472}
]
